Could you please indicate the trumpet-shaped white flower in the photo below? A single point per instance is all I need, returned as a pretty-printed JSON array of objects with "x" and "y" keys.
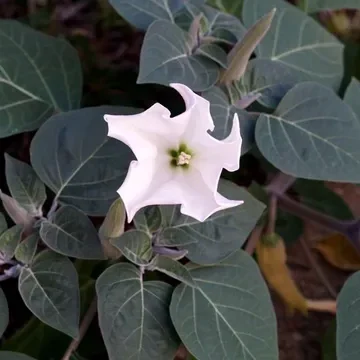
[{"x": 178, "y": 161}]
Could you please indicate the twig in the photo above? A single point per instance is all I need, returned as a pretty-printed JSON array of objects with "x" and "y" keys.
[
  {"x": 83, "y": 329},
  {"x": 253, "y": 239},
  {"x": 322, "y": 305},
  {"x": 317, "y": 268},
  {"x": 270, "y": 228}
]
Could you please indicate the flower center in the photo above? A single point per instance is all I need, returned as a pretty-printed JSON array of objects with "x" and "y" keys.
[{"x": 180, "y": 157}]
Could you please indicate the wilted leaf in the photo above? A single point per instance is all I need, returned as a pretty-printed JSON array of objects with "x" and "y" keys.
[
  {"x": 339, "y": 252},
  {"x": 229, "y": 314},
  {"x": 135, "y": 245},
  {"x": 298, "y": 42},
  {"x": 167, "y": 58},
  {"x": 70, "y": 232},
  {"x": 81, "y": 164},
  {"x": 134, "y": 315},
  {"x": 221, "y": 234},
  {"x": 312, "y": 134},
  {"x": 39, "y": 75},
  {"x": 9, "y": 240},
  {"x": 24, "y": 185},
  {"x": 223, "y": 112},
  {"x": 272, "y": 262},
  {"x": 26, "y": 250},
  {"x": 4, "y": 313},
  {"x": 50, "y": 289},
  {"x": 348, "y": 320}
]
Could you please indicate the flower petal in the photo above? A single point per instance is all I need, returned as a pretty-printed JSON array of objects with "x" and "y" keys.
[
  {"x": 225, "y": 153},
  {"x": 199, "y": 200},
  {"x": 148, "y": 183},
  {"x": 197, "y": 115},
  {"x": 147, "y": 133}
]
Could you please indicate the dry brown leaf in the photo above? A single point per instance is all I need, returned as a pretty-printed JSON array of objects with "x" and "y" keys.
[
  {"x": 339, "y": 252},
  {"x": 322, "y": 305},
  {"x": 272, "y": 262}
]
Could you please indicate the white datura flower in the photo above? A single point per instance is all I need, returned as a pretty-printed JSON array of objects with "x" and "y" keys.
[{"x": 178, "y": 161}]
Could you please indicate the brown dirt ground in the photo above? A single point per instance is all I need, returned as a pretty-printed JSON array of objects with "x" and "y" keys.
[{"x": 299, "y": 336}]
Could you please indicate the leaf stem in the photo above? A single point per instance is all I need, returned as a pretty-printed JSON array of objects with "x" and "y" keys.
[{"x": 88, "y": 318}]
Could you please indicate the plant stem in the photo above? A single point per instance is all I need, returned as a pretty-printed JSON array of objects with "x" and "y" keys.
[{"x": 88, "y": 318}]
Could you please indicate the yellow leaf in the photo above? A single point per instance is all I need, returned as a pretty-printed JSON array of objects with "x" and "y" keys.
[
  {"x": 339, "y": 252},
  {"x": 271, "y": 257}
]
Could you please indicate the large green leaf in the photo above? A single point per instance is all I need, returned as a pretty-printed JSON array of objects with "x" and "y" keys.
[
  {"x": 148, "y": 219},
  {"x": 9, "y": 355},
  {"x": 348, "y": 320},
  {"x": 218, "y": 236},
  {"x": 81, "y": 164},
  {"x": 318, "y": 5},
  {"x": 24, "y": 185},
  {"x": 352, "y": 96},
  {"x": 70, "y": 232},
  {"x": 228, "y": 314},
  {"x": 269, "y": 78},
  {"x": 3, "y": 224},
  {"x": 166, "y": 57},
  {"x": 312, "y": 134},
  {"x": 26, "y": 250},
  {"x": 228, "y": 6},
  {"x": 223, "y": 112},
  {"x": 134, "y": 315},
  {"x": 298, "y": 42},
  {"x": 50, "y": 289},
  {"x": 39, "y": 75},
  {"x": 4, "y": 313}
]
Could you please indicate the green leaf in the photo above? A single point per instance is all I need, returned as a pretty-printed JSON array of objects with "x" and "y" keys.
[
  {"x": 9, "y": 355},
  {"x": 298, "y": 42},
  {"x": 288, "y": 226},
  {"x": 134, "y": 315},
  {"x": 172, "y": 268},
  {"x": 214, "y": 53},
  {"x": 50, "y": 289},
  {"x": 39, "y": 75},
  {"x": 4, "y": 313},
  {"x": 81, "y": 164},
  {"x": 135, "y": 245},
  {"x": 218, "y": 236},
  {"x": 319, "y": 197},
  {"x": 312, "y": 134},
  {"x": 3, "y": 224},
  {"x": 352, "y": 96},
  {"x": 228, "y": 6},
  {"x": 70, "y": 232},
  {"x": 318, "y": 5},
  {"x": 166, "y": 58},
  {"x": 26, "y": 250},
  {"x": 348, "y": 320},
  {"x": 148, "y": 219},
  {"x": 328, "y": 344},
  {"x": 24, "y": 185},
  {"x": 229, "y": 314},
  {"x": 269, "y": 78},
  {"x": 9, "y": 240},
  {"x": 223, "y": 112},
  {"x": 218, "y": 27},
  {"x": 142, "y": 13}
]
